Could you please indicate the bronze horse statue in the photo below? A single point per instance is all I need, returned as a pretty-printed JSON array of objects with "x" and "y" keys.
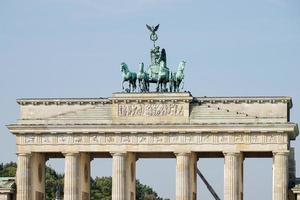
[
  {"x": 143, "y": 79},
  {"x": 177, "y": 78},
  {"x": 162, "y": 78},
  {"x": 129, "y": 76}
]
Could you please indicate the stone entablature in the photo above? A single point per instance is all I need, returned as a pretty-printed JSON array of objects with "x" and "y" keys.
[{"x": 139, "y": 121}]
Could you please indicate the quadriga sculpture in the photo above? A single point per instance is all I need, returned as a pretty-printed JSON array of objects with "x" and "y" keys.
[{"x": 157, "y": 72}]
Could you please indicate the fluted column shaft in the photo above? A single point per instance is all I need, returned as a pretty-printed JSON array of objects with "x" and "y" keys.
[
  {"x": 182, "y": 176},
  {"x": 280, "y": 175},
  {"x": 23, "y": 177},
  {"x": 71, "y": 177},
  {"x": 118, "y": 176},
  {"x": 232, "y": 180}
]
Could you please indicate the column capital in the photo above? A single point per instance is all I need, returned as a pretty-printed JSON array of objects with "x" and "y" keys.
[
  {"x": 70, "y": 153},
  {"x": 182, "y": 153},
  {"x": 118, "y": 153},
  {"x": 24, "y": 154},
  {"x": 232, "y": 153},
  {"x": 283, "y": 153}
]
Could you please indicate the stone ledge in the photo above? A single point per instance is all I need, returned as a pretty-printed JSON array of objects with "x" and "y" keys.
[
  {"x": 247, "y": 99},
  {"x": 130, "y": 96}
]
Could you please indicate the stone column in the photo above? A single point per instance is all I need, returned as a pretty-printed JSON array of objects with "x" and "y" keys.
[
  {"x": 84, "y": 174},
  {"x": 182, "y": 176},
  {"x": 280, "y": 175},
  {"x": 232, "y": 173},
  {"x": 71, "y": 176},
  {"x": 119, "y": 176},
  {"x": 37, "y": 176},
  {"x": 23, "y": 177},
  {"x": 131, "y": 176},
  {"x": 193, "y": 176},
  {"x": 241, "y": 176}
]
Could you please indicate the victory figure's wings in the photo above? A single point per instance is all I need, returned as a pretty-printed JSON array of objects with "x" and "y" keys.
[
  {"x": 156, "y": 28},
  {"x": 149, "y": 27}
]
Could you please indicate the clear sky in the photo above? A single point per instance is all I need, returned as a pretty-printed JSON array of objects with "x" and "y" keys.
[{"x": 73, "y": 48}]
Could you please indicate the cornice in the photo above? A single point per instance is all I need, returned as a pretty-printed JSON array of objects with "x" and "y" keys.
[
  {"x": 154, "y": 97},
  {"x": 62, "y": 101},
  {"x": 246, "y": 99},
  {"x": 290, "y": 128}
]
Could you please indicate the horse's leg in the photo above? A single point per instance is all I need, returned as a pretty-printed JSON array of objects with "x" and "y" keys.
[
  {"x": 140, "y": 89},
  {"x": 147, "y": 85},
  {"x": 144, "y": 85},
  {"x": 134, "y": 83},
  {"x": 123, "y": 84}
]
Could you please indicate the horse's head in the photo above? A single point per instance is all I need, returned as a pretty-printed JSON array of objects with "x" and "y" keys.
[
  {"x": 181, "y": 65},
  {"x": 124, "y": 67},
  {"x": 141, "y": 67}
]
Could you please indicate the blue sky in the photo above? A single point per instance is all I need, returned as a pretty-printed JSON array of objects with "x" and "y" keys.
[{"x": 73, "y": 48}]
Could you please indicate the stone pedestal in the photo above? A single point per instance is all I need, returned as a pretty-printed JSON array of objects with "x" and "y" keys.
[
  {"x": 232, "y": 176},
  {"x": 23, "y": 177},
  {"x": 119, "y": 176},
  {"x": 280, "y": 175},
  {"x": 71, "y": 176},
  {"x": 182, "y": 176}
]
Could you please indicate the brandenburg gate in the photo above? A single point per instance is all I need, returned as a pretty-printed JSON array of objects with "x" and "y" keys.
[
  {"x": 129, "y": 126},
  {"x": 166, "y": 123}
]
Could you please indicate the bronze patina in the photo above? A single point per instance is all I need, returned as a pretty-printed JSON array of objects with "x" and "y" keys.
[{"x": 157, "y": 72}]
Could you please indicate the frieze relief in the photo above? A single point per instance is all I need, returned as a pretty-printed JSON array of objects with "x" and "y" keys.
[
  {"x": 154, "y": 138},
  {"x": 137, "y": 110}
]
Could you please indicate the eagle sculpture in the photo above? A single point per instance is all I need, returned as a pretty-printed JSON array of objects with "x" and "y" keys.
[{"x": 153, "y": 29}]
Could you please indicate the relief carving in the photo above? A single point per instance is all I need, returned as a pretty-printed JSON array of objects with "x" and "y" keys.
[
  {"x": 271, "y": 138},
  {"x": 135, "y": 110},
  {"x": 62, "y": 139},
  {"x": 158, "y": 139},
  {"x": 189, "y": 139},
  {"x": 126, "y": 139},
  {"x": 174, "y": 139},
  {"x": 142, "y": 139},
  {"x": 171, "y": 138},
  {"x": 254, "y": 139},
  {"x": 110, "y": 139},
  {"x": 239, "y": 139},
  {"x": 206, "y": 139},
  {"x": 223, "y": 139},
  {"x": 46, "y": 139},
  {"x": 77, "y": 139},
  {"x": 95, "y": 139},
  {"x": 30, "y": 139}
]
